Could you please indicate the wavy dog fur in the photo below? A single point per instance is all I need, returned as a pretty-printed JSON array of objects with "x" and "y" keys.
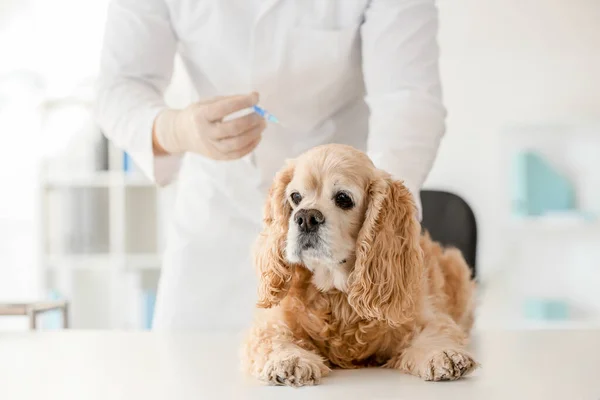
[{"x": 408, "y": 303}]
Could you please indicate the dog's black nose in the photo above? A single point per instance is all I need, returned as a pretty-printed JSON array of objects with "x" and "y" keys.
[{"x": 309, "y": 220}]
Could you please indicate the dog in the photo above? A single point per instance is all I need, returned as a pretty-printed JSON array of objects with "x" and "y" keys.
[{"x": 348, "y": 280}]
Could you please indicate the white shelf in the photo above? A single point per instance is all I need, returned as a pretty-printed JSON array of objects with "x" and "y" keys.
[
  {"x": 103, "y": 261},
  {"x": 554, "y": 225},
  {"x": 523, "y": 324},
  {"x": 97, "y": 179},
  {"x": 143, "y": 261}
]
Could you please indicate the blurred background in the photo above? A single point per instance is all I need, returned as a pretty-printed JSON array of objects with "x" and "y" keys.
[{"x": 522, "y": 148}]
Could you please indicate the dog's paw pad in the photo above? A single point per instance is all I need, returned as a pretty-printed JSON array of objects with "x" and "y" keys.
[
  {"x": 292, "y": 371},
  {"x": 449, "y": 365}
]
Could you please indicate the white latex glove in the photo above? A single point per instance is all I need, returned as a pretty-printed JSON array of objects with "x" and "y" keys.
[{"x": 199, "y": 128}]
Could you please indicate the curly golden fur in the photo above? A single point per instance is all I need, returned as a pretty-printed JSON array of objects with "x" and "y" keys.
[{"x": 373, "y": 291}]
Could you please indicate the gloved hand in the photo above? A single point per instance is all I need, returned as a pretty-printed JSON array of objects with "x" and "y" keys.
[{"x": 199, "y": 128}]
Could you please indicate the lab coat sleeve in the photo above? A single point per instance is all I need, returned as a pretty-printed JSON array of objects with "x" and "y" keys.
[
  {"x": 136, "y": 67},
  {"x": 403, "y": 90}
]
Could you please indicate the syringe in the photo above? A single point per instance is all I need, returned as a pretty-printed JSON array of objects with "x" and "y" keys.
[{"x": 265, "y": 114}]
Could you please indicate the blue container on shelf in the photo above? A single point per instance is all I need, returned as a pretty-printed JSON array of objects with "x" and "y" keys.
[
  {"x": 126, "y": 162},
  {"x": 149, "y": 301},
  {"x": 541, "y": 309},
  {"x": 52, "y": 320},
  {"x": 539, "y": 188}
]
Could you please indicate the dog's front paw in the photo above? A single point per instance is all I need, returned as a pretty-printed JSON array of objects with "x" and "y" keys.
[
  {"x": 293, "y": 371},
  {"x": 448, "y": 365}
]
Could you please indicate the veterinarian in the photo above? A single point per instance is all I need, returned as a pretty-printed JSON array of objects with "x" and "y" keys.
[{"x": 359, "y": 72}]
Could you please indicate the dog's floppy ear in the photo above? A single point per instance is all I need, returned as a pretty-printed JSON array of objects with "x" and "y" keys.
[
  {"x": 388, "y": 273},
  {"x": 274, "y": 271}
]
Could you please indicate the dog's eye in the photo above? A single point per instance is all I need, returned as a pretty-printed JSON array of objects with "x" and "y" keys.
[
  {"x": 343, "y": 200},
  {"x": 296, "y": 198}
]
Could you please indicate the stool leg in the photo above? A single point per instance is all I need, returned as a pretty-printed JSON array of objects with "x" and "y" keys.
[
  {"x": 32, "y": 319},
  {"x": 65, "y": 316}
]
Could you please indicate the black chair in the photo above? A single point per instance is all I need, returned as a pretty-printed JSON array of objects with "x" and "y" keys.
[{"x": 450, "y": 220}]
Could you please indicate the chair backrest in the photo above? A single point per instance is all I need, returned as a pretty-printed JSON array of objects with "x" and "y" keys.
[{"x": 450, "y": 220}]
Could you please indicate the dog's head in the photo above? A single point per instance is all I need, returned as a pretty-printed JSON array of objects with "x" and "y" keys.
[{"x": 354, "y": 227}]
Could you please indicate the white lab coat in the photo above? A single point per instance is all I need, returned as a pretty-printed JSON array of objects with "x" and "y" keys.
[{"x": 359, "y": 72}]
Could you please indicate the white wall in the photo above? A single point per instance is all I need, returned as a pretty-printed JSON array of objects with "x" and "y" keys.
[
  {"x": 502, "y": 61},
  {"x": 506, "y": 61},
  {"x": 44, "y": 51}
]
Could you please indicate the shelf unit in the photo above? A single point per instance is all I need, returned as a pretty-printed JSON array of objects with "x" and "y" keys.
[
  {"x": 102, "y": 240},
  {"x": 111, "y": 279},
  {"x": 555, "y": 256}
]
